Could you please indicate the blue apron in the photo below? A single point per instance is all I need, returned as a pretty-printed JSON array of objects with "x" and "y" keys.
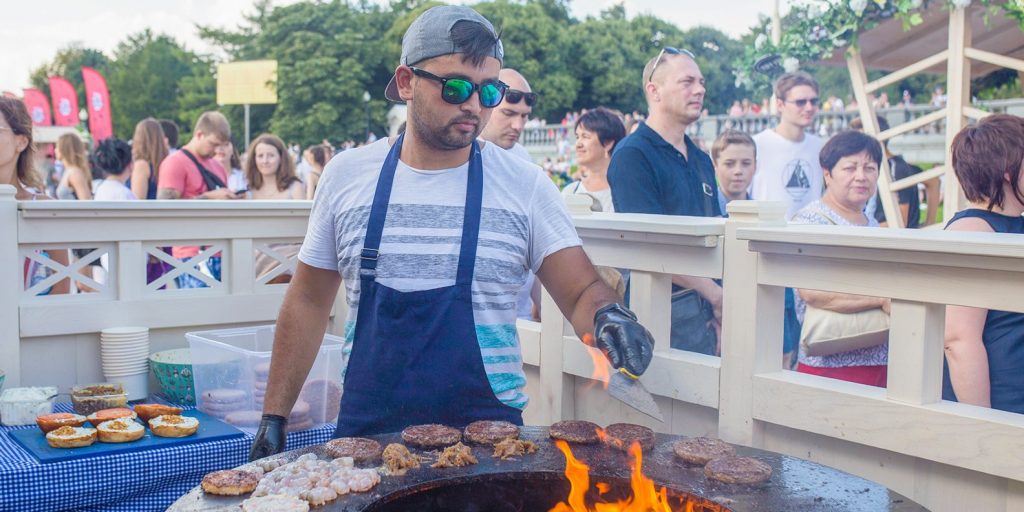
[{"x": 415, "y": 358}]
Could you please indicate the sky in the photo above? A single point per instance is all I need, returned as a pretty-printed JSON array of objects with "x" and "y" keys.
[{"x": 33, "y": 32}]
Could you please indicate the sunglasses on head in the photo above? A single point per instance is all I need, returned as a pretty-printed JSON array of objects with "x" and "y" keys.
[
  {"x": 458, "y": 90},
  {"x": 513, "y": 96},
  {"x": 671, "y": 51},
  {"x": 801, "y": 103}
]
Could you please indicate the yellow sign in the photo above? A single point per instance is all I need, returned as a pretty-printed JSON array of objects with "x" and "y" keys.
[{"x": 250, "y": 82}]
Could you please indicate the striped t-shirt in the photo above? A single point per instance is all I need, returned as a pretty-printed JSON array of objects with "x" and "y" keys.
[{"x": 523, "y": 220}]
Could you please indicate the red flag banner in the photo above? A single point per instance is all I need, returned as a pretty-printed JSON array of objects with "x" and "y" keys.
[
  {"x": 38, "y": 107},
  {"x": 97, "y": 100},
  {"x": 65, "y": 101}
]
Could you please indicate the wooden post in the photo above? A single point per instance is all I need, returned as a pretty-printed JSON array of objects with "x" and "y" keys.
[
  {"x": 131, "y": 270},
  {"x": 241, "y": 273},
  {"x": 958, "y": 91},
  {"x": 556, "y": 400},
  {"x": 915, "y": 352},
  {"x": 11, "y": 286},
  {"x": 752, "y": 324},
  {"x": 859, "y": 78}
]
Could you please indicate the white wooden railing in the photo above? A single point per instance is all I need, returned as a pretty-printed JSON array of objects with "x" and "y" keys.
[{"x": 945, "y": 455}]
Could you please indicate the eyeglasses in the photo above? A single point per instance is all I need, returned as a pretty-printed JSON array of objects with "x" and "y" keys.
[
  {"x": 458, "y": 90},
  {"x": 513, "y": 96},
  {"x": 671, "y": 51},
  {"x": 801, "y": 103}
]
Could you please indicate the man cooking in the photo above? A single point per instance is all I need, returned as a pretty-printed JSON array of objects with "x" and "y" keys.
[{"x": 433, "y": 234}]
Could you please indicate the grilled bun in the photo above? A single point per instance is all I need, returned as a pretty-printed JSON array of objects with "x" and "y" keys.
[
  {"x": 111, "y": 414},
  {"x": 150, "y": 411},
  {"x": 172, "y": 425},
  {"x": 50, "y": 422},
  {"x": 122, "y": 430},
  {"x": 71, "y": 437}
]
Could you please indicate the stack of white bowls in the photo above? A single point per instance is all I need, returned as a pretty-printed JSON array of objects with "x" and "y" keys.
[{"x": 124, "y": 352}]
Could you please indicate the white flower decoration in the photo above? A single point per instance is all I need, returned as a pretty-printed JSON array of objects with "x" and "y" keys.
[
  {"x": 858, "y": 6},
  {"x": 813, "y": 11},
  {"x": 914, "y": 4},
  {"x": 791, "y": 64},
  {"x": 760, "y": 41},
  {"x": 960, "y": 4},
  {"x": 741, "y": 78}
]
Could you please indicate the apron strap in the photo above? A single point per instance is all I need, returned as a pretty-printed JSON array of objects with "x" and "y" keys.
[
  {"x": 471, "y": 217},
  {"x": 470, "y": 221}
]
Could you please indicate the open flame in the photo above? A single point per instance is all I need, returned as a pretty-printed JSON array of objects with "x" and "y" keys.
[
  {"x": 644, "y": 497},
  {"x": 602, "y": 369}
]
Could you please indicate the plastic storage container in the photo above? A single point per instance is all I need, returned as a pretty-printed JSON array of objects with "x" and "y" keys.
[
  {"x": 20, "y": 406},
  {"x": 230, "y": 368},
  {"x": 96, "y": 397}
]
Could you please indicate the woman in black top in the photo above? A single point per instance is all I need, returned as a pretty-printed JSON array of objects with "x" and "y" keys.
[{"x": 985, "y": 348}]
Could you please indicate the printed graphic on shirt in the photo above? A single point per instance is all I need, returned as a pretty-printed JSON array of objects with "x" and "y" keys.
[{"x": 796, "y": 179}]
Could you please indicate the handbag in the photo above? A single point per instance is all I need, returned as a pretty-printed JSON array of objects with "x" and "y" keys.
[
  {"x": 692, "y": 323},
  {"x": 693, "y": 316},
  {"x": 825, "y": 332}
]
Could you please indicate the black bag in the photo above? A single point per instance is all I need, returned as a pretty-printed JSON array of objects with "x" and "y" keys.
[
  {"x": 693, "y": 316},
  {"x": 692, "y": 323},
  {"x": 212, "y": 181}
]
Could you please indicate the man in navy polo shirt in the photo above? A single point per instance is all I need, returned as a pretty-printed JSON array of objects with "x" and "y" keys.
[{"x": 658, "y": 169}]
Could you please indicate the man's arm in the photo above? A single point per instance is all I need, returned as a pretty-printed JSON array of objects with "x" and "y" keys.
[
  {"x": 167, "y": 193},
  {"x": 300, "y": 330},
  {"x": 572, "y": 281},
  {"x": 592, "y": 307}
]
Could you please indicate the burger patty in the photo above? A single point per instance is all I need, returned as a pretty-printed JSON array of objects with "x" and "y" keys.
[
  {"x": 230, "y": 482},
  {"x": 738, "y": 470},
  {"x": 361, "y": 449},
  {"x": 431, "y": 436},
  {"x": 701, "y": 450},
  {"x": 490, "y": 432},
  {"x": 622, "y": 436},
  {"x": 575, "y": 431}
]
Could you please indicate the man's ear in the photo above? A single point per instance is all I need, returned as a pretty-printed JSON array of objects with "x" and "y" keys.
[{"x": 403, "y": 79}]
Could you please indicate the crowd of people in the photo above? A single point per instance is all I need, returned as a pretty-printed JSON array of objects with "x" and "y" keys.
[{"x": 630, "y": 163}]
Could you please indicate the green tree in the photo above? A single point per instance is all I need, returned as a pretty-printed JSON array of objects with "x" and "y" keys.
[
  {"x": 145, "y": 79},
  {"x": 68, "y": 63}
]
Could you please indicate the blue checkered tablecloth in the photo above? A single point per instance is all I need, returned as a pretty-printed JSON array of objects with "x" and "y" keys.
[{"x": 137, "y": 481}]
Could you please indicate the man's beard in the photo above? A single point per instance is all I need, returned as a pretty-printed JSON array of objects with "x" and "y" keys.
[{"x": 445, "y": 137}]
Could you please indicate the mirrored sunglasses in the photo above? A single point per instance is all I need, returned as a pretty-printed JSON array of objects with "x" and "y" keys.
[
  {"x": 671, "y": 51},
  {"x": 458, "y": 90}
]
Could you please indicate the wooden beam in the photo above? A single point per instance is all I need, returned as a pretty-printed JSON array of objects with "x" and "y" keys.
[
  {"x": 910, "y": 126},
  {"x": 920, "y": 177},
  {"x": 958, "y": 87},
  {"x": 859, "y": 79},
  {"x": 976, "y": 113},
  {"x": 12, "y": 282},
  {"x": 910, "y": 70},
  {"x": 994, "y": 59}
]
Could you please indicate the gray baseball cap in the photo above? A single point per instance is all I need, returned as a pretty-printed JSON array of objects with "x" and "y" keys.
[{"x": 430, "y": 35}]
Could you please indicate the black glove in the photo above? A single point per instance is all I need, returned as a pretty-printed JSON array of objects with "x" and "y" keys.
[
  {"x": 625, "y": 342},
  {"x": 269, "y": 438}
]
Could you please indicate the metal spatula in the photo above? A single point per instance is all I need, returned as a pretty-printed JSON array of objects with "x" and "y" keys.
[{"x": 628, "y": 389}]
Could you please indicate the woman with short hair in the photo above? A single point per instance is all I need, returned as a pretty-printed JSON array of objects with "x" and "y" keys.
[
  {"x": 849, "y": 163},
  {"x": 149, "y": 148},
  {"x": 985, "y": 348},
  {"x": 597, "y": 133},
  {"x": 112, "y": 157},
  {"x": 76, "y": 182}
]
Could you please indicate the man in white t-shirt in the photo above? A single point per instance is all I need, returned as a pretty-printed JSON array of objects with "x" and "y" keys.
[
  {"x": 789, "y": 170},
  {"x": 509, "y": 119},
  {"x": 433, "y": 233},
  {"x": 787, "y": 155}
]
